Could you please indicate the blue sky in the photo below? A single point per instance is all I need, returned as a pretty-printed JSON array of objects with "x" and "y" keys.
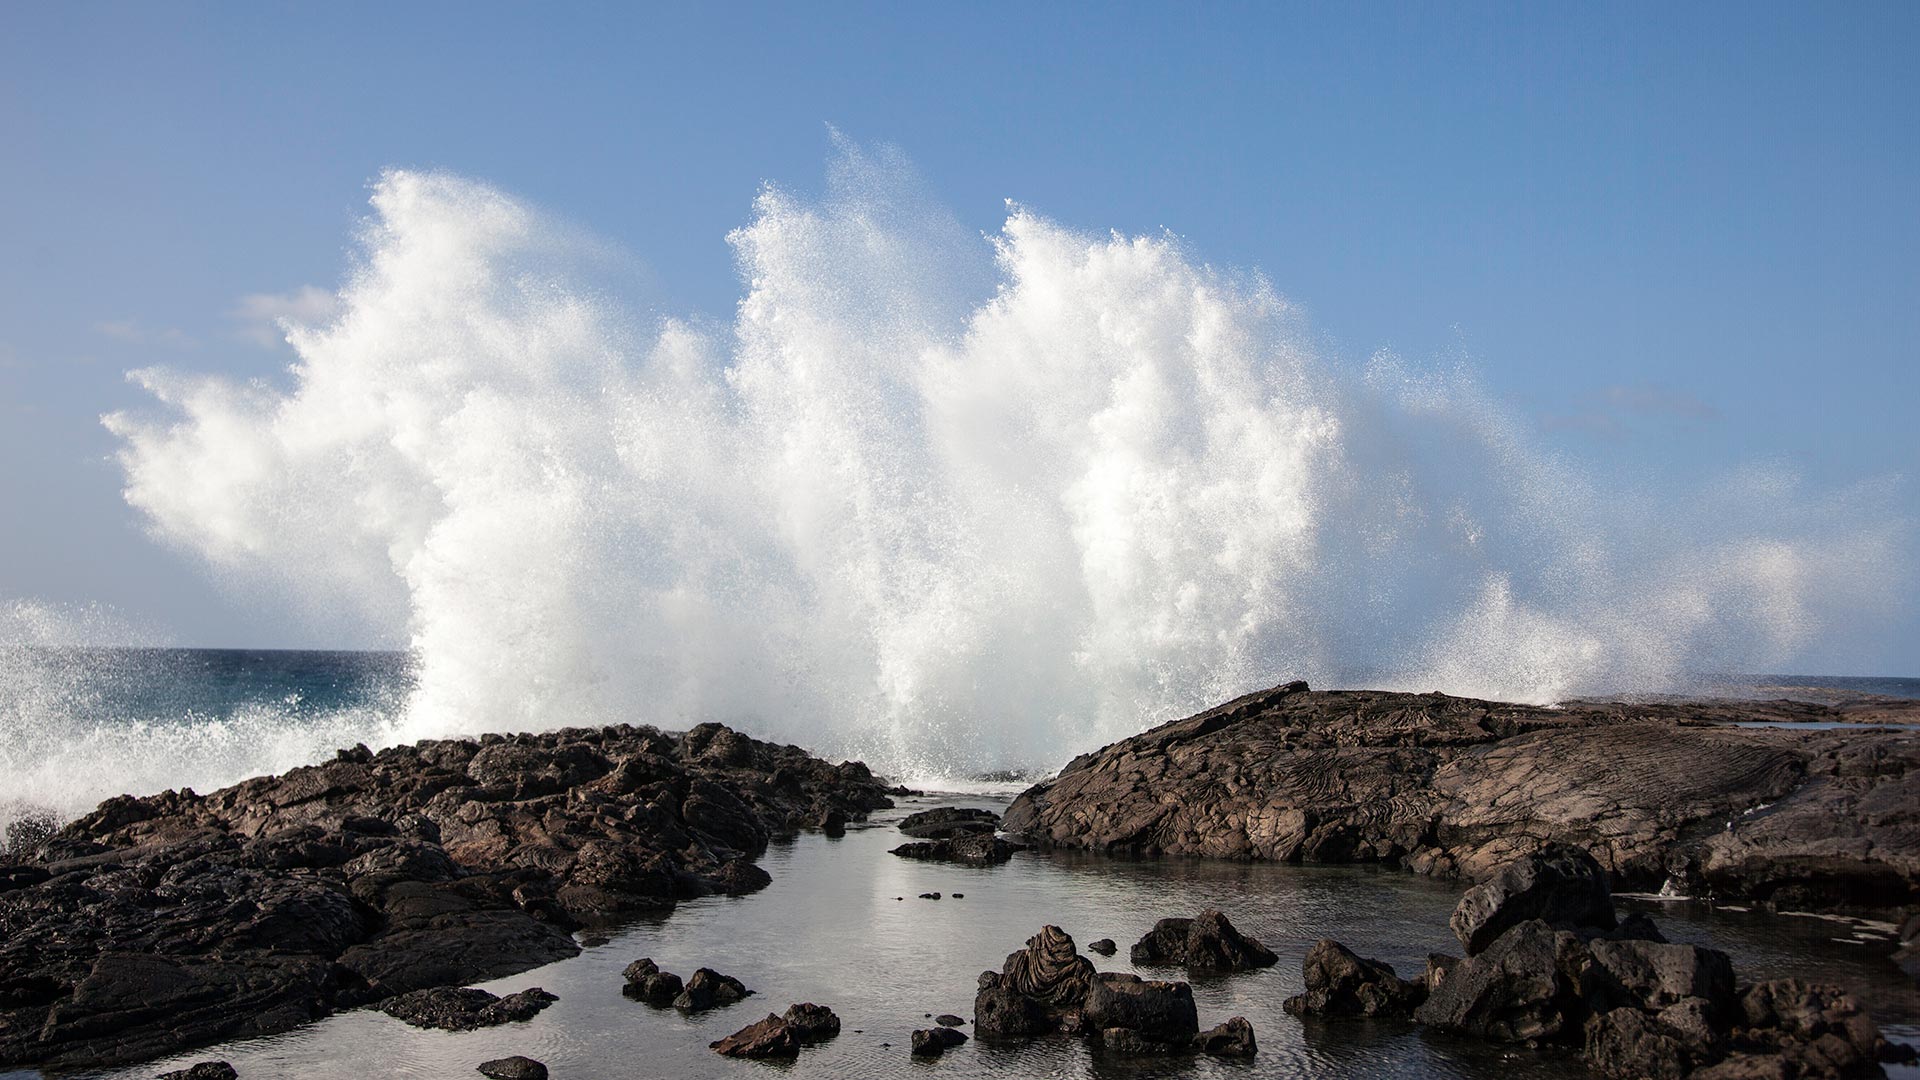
[{"x": 1673, "y": 241}]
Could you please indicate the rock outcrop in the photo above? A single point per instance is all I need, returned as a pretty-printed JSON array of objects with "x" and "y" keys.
[
  {"x": 1343, "y": 983},
  {"x": 1797, "y": 817},
  {"x": 159, "y": 923}
]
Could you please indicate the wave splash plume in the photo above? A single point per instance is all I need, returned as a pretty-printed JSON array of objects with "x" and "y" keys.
[{"x": 952, "y": 504}]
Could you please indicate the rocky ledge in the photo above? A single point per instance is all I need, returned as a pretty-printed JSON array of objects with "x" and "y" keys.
[
  {"x": 1661, "y": 793},
  {"x": 155, "y": 924}
]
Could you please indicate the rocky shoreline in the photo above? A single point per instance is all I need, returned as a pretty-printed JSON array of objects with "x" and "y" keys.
[
  {"x": 156, "y": 924},
  {"x": 1666, "y": 795}
]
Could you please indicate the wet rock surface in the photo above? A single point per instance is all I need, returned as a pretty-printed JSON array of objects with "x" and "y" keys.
[
  {"x": 708, "y": 989},
  {"x": 1048, "y": 987},
  {"x": 1796, "y": 817},
  {"x": 1342, "y": 983},
  {"x": 205, "y": 1070},
  {"x": 646, "y": 982},
  {"x": 454, "y": 1009},
  {"x": 947, "y": 822},
  {"x": 976, "y": 849},
  {"x": 1207, "y": 942},
  {"x": 159, "y": 923},
  {"x": 516, "y": 1067},
  {"x": 934, "y": 1041},
  {"x": 1635, "y": 1007}
]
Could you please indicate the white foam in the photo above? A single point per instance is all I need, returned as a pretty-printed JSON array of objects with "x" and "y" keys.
[{"x": 948, "y": 504}]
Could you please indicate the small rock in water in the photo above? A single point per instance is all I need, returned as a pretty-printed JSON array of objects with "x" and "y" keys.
[
  {"x": 958, "y": 895},
  {"x": 1341, "y": 983},
  {"x": 932, "y": 1042},
  {"x": 947, "y": 822},
  {"x": 1105, "y": 947},
  {"x": 1231, "y": 1039},
  {"x": 812, "y": 1023},
  {"x": 451, "y": 1008},
  {"x": 949, "y": 1020},
  {"x": 708, "y": 989},
  {"x": 1207, "y": 942},
  {"x": 833, "y": 823},
  {"x": 929, "y": 896},
  {"x": 769, "y": 1038},
  {"x": 516, "y": 1067},
  {"x": 205, "y": 1070},
  {"x": 646, "y": 982}
]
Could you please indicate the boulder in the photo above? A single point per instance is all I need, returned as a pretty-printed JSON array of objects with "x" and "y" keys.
[
  {"x": 1652, "y": 975},
  {"x": 949, "y": 1020},
  {"x": 646, "y": 982},
  {"x": 1529, "y": 986},
  {"x": 1105, "y": 946},
  {"x": 811, "y": 1023},
  {"x": 450, "y": 1009},
  {"x": 934, "y": 1041},
  {"x": 1627, "y": 1044},
  {"x": 516, "y": 1067},
  {"x": 1158, "y": 1011},
  {"x": 1001, "y": 1012},
  {"x": 973, "y": 849},
  {"x": 1559, "y": 885},
  {"x": 1342, "y": 983},
  {"x": 708, "y": 989},
  {"x": 1207, "y": 942},
  {"x": 1233, "y": 1039},
  {"x": 1049, "y": 971},
  {"x": 769, "y": 1038}
]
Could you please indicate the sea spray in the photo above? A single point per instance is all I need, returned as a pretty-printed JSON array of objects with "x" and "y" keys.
[{"x": 944, "y": 502}]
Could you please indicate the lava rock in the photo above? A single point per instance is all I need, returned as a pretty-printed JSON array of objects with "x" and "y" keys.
[
  {"x": 1158, "y": 1011},
  {"x": 1233, "y": 1039},
  {"x": 973, "y": 849},
  {"x": 1105, "y": 946},
  {"x": 646, "y": 982},
  {"x": 949, "y": 1020},
  {"x": 947, "y": 822},
  {"x": 205, "y": 1070},
  {"x": 453, "y": 1009},
  {"x": 1559, "y": 885},
  {"x": 812, "y": 1023},
  {"x": 708, "y": 989},
  {"x": 516, "y": 1067},
  {"x": 770, "y": 1038},
  {"x": 932, "y": 1042},
  {"x": 1050, "y": 970},
  {"x": 999, "y": 1011},
  {"x": 1205, "y": 943},
  {"x": 1342, "y": 983},
  {"x": 1527, "y": 987}
]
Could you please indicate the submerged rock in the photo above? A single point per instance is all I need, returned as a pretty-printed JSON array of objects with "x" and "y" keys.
[
  {"x": 1342, "y": 983},
  {"x": 451, "y": 1009},
  {"x": 158, "y": 923},
  {"x": 516, "y": 1067},
  {"x": 205, "y": 1070},
  {"x": 932, "y": 1042},
  {"x": 1207, "y": 942}
]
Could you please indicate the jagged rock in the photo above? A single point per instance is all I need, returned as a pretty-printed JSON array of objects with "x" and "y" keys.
[
  {"x": 1105, "y": 947},
  {"x": 812, "y": 1023},
  {"x": 932, "y": 1042},
  {"x": 646, "y": 982},
  {"x": 974, "y": 849},
  {"x": 708, "y": 989},
  {"x": 1559, "y": 885},
  {"x": 516, "y": 1067},
  {"x": 1454, "y": 786},
  {"x": 1651, "y": 976},
  {"x": 948, "y": 822},
  {"x": 1049, "y": 970},
  {"x": 1341, "y": 983},
  {"x": 1526, "y": 987},
  {"x": 455, "y": 1009},
  {"x": 1629, "y": 1045},
  {"x": 1207, "y": 942},
  {"x": 769, "y": 1038},
  {"x": 154, "y": 924},
  {"x": 1158, "y": 1011},
  {"x": 205, "y": 1070},
  {"x": 1002, "y": 1012},
  {"x": 1234, "y": 1039}
]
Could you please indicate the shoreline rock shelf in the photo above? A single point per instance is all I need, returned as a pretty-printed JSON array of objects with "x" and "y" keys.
[
  {"x": 161, "y": 923},
  {"x": 1661, "y": 793}
]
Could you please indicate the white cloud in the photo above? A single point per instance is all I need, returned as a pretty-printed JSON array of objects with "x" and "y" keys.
[
  {"x": 133, "y": 332},
  {"x": 262, "y": 318}
]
